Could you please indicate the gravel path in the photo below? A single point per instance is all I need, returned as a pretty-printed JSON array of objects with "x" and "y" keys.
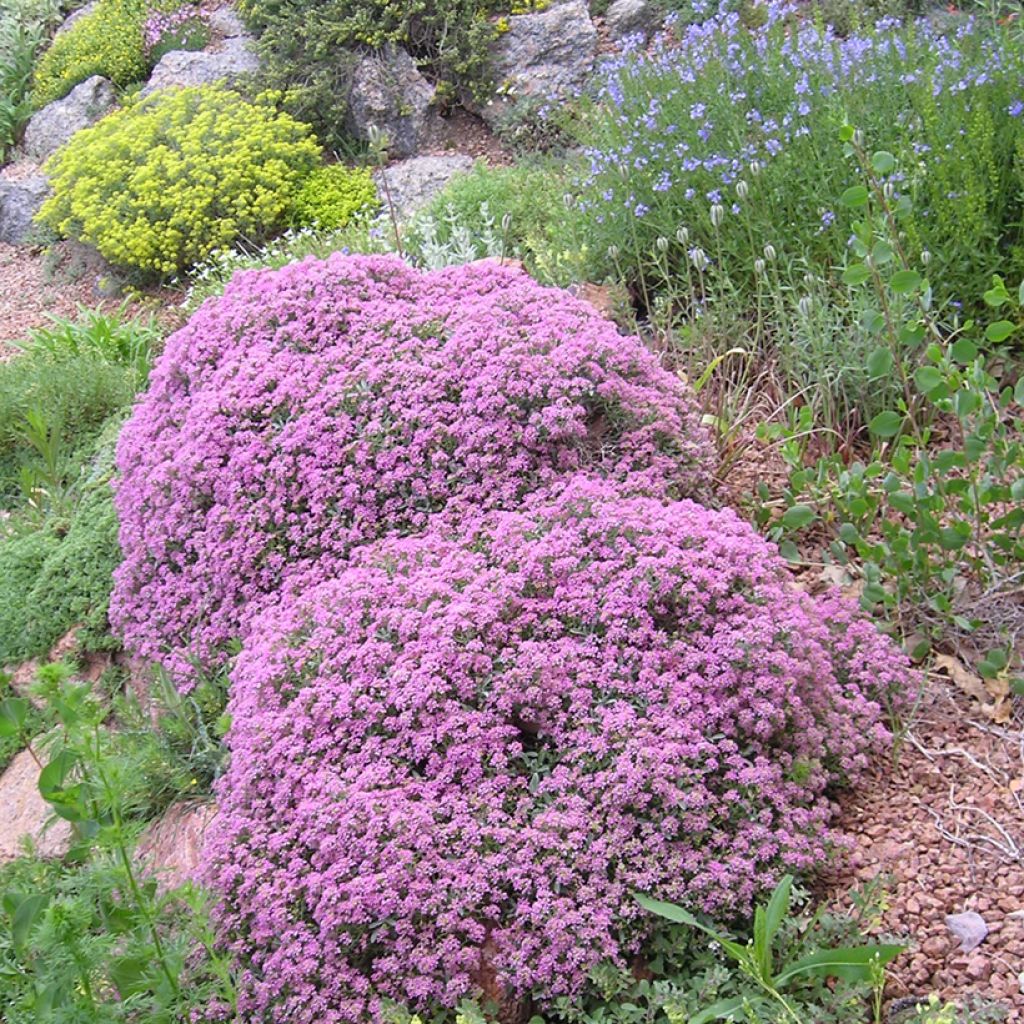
[
  {"x": 31, "y": 289},
  {"x": 946, "y": 825}
]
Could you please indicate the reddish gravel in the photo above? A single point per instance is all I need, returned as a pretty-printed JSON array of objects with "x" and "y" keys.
[{"x": 946, "y": 825}]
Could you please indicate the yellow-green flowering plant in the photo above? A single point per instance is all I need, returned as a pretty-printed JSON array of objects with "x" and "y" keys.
[
  {"x": 162, "y": 184},
  {"x": 334, "y": 195}
]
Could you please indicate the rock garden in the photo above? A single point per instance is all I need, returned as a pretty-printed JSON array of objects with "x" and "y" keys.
[{"x": 511, "y": 512}]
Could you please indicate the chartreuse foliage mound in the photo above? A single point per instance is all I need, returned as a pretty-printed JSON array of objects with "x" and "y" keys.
[
  {"x": 462, "y": 756},
  {"x": 321, "y": 406},
  {"x": 162, "y": 184}
]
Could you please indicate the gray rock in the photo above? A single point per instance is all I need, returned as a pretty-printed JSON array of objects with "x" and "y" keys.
[
  {"x": 547, "y": 55},
  {"x": 389, "y": 93},
  {"x": 179, "y": 69},
  {"x": 74, "y": 16},
  {"x": 19, "y": 203},
  {"x": 632, "y": 17},
  {"x": 52, "y": 126},
  {"x": 410, "y": 184},
  {"x": 226, "y": 23},
  {"x": 969, "y": 927}
]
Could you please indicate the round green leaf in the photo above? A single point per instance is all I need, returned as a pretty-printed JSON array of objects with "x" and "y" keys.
[
  {"x": 798, "y": 516},
  {"x": 886, "y": 424},
  {"x": 927, "y": 378},
  {"x": 856, "y": 274},
  {"x": 904, "y": 281},
  {"x": 883, "y": 162},
  {"x": 855, "y": 195},
  {"x": 879, "y": 363},
  {"x": 963, "y": 350},
  {"x": 1000, "y": 330}
]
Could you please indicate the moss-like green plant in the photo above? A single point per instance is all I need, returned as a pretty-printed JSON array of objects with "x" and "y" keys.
[
  {"x": 106, "y": 41},
  {"x": 162, "y": 184},
  {"x": 22, "y": 558},
  {"x": 332, "y": 196}
]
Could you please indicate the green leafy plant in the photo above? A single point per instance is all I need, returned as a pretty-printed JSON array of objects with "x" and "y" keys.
[
  {"x": 756, "y": 960},
  {"x": 162, "y": 184},
  {"x": 932, "y": 519},
  {"x": 95, "y": 937},
  {"x": 23, "y": 27},
  {"x": 333, "y": 196}
]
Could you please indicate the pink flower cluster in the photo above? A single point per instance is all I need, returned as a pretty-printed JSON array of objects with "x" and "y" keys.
[
  {"x": 499, "y": 672},
  {"x": 464, "y": 754},
  {"x": 324, "y": 405},
  {"x": 160, "y": 24}
]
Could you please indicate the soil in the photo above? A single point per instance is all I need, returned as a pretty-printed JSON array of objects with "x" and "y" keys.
[{"x": 942, "y": 830}]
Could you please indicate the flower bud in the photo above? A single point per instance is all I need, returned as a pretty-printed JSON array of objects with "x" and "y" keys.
[
  {"x": 613, "y": 252},
  {"x": 926, "y": 257},
  {"x": 698, "y": 258},
  {"x": 683, "y": 235},
  {"x": 805, "y": 306},
  {"x": 569, "y": 199},
  {"x": 717, "y": 213},
  {"x": 888, "y": 190},
  {"x": 742, "y": 189},
  {"x": 759, "y": 267},
  {"x": 769, "y": 252},
  {"x": 755, "y": 167},
  {"x": 661, "y": 244},
  {"x": 506, "y": 223}
]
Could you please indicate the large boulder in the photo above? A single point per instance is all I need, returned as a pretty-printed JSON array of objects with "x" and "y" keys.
[
  {"x": 547, "y": 55},
  {"x": 410, "y": 184},
  {"x": 52, "y": 126},
  {"x": 389, "y": 94},
  {"x": 19, "y": 203},
  {"x": 24, "y": 814},
  {"x": 225, "y": 23},
  {"x": 632, "y": 17},
  {"x": 229, "y": 63}
]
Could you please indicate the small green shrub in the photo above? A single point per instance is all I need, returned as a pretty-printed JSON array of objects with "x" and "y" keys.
[
  {"x": 162, "y": 184},
  {"x": 22, "y": 558},
  {"x": 303, "y": 45},
  {"x": 76, "y": 395},
  {"x": 23, "y": 27},
  {"x": 517, "y": 212},
  {"x": 106, "y": 41},
  {"x": 332, "y": 196}
]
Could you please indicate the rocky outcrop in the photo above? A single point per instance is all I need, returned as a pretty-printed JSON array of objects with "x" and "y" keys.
[
  {"x": 632, "y": 17},
  {"x": 410, "y": 184},
  {"x": 52, "y": 126},
  {"x": 389, "y": 94},
  {"x": 24, "y": 813},
  {"x": 547, "y": 55},
  {"x": 19, "y": 203},
  {"x": 230, "y": 63},
  {"x": 170, "y": 848}
]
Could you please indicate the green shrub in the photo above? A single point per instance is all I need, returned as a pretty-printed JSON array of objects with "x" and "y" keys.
[
  {"x": 22, "y": 558},
  {"x": 162, "y": 184},
  {"x": 106, "y": 41},
  {"x": 57, "y": 574},
  {"x": 303, "y": 45},
  {"x": 76, "y": 394},
  {"x": 332, "y": 196},
  {"x": 514, "y": 211},
  {"x": 23, "y": 27}
]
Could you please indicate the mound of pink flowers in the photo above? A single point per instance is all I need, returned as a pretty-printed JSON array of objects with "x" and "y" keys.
[
  {"x": 330, "y": 403},
  {"x": 460, "y": 757}
]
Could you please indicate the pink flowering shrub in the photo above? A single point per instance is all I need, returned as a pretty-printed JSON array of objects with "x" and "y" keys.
[
  {"x": 327, "y": 404},
  {"x": 461, "y": 757}
]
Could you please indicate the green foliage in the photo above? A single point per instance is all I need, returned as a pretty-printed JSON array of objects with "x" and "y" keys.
[
  {"x": 304, "y": 44},
  {"x": 332, "y": 196},
  {"x": 22, "y": 558},
  {"x": 75, "y": 377},
  {"x": 20, "y": 720},
  {"x": 107, "y": 41},
  {"x": 933, "y": 518},
  {"x": 518, "y": 212},
  {"x": 23, "y": 27},
  {"x": 757, "y": 961},
  {"x": 93, "y": 939},
  {"x": 162, "y": 184}
]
